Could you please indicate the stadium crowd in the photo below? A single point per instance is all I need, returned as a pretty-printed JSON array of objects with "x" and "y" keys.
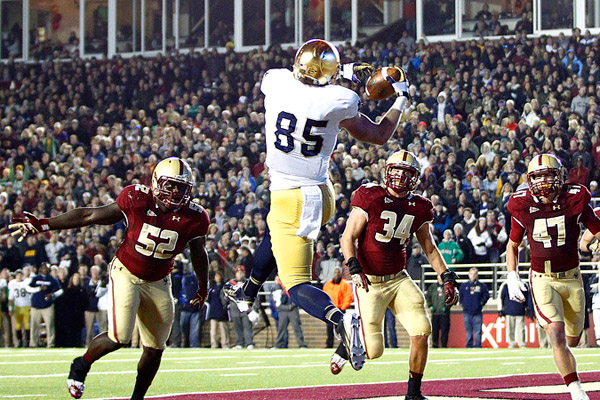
[{"x": 75, "y": 133}]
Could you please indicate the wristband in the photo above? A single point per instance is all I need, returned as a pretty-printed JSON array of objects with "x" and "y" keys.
[{"x": 399, "y": 103}]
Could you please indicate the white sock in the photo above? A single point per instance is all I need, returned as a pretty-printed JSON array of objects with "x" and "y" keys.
[{"x": 576, "y": 389}]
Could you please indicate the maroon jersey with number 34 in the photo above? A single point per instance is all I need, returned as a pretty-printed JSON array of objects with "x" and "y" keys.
[
  {"x": 552, "y": 229},
  {"x": 391, "y": 221},
  {"x": 154, "y": 238}
]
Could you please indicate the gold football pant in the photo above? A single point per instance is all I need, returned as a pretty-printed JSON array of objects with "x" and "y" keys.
[
  {"x": 21, "y": 317},
  {"x": 294, "y": 254},
  {"x": 405, "y": 300},
  {"x": 559, "y": 300},
  {"x": 131, "y": 298}
]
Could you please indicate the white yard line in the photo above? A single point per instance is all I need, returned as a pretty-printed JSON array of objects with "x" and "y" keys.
[
  {"x": 441, "y": 362},
  {"x": 237, "y": 374}
]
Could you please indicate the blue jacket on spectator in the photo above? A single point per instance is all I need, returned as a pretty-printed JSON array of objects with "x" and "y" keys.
[
  {"x": 510, "y": 307},
  {"x": 473, "y": 296},
  {"x": 189, "y": 286},
  {"x": 47, "y": 284},
  {"x": 216, "y": 309}
]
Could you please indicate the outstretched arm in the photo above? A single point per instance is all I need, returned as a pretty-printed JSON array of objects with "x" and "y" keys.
[
  {"x": 83, "y": 216},
  {"x": 365, "y": 130},
  {"x": 199, "y": 258}
]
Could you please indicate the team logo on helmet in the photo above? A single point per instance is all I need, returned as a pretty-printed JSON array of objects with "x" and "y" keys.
[
  {"x": 172, "y": 182},
  {"x": 402, "y": 171},
  {"x": 545, "y": 175},
  {"x": 317, "y": 62}
]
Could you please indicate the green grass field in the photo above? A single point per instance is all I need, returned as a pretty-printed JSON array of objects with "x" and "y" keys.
[{"x": 41, "y": 373}]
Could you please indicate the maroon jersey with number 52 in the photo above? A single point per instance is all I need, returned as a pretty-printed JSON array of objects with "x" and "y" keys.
[
  {"x": 552, "y": 229},
  {"x": 391, "y": 221},
  {"x": 154, "y": 238}
]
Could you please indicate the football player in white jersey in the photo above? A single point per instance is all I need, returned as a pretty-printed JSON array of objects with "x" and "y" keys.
[
  {"x": 19, "y": 307},
  {"x": 305, "y": 110}
]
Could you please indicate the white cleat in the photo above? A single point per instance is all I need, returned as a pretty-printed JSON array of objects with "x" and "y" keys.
[
  {"x": 75, "y": 388},
  {"x": 349, "y": 332}
]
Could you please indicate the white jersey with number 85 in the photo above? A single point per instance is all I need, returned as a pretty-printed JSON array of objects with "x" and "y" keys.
[{"x": 301, "y": 125}]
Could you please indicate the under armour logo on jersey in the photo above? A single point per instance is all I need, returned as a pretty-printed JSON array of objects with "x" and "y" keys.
[
  {"x": 176, "y": 218},
  {"x": 556, "y": 207},
  {"x": 533, "y": 209},
  {"x": 150, "y": 213},
  {"x": 412, "y": 203},
  {"x": 388, "y": 200}
]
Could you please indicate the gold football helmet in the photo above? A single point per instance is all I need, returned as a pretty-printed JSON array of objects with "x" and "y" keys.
[
  {"x": 172, "y": 182},
  {"x": 545, "y": 174},
  {"x": 317, "y": 62},
  {"x": 402, "y": 171}
]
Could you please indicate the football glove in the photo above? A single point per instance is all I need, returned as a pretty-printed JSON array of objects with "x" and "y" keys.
[
  {"x": 400, "y": 86},
  {"x": 28, "y": 225},
  {"x": 450, "y": 286},
  {"x": 515, "y": 287},
  {"x": 356, "y": 72},
  {"x": 200, "y": 297},
  {"x": 359, "y": 279}
]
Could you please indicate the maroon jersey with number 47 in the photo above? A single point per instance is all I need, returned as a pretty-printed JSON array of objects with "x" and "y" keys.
[
  {"x": 391, "y": 221},
  {"x": 552, "y": 229},
  {"x": 154, "y": 238}
]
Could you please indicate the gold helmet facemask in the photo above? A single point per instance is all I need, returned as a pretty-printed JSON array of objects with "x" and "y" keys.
[{"x": 317, "y": 62}]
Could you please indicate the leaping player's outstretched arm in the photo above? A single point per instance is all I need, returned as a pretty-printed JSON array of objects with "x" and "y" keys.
[
  {"x": 83, "y": 216},
  {"x": 425, "y": 238},
  {"x": 362, "y": 128},
  {"x": 199, "y": 258}
]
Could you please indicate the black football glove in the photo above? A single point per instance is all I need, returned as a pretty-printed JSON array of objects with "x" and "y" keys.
[
  {"x": 359, "y": 278},
  {"x": 450, "y": 286}
]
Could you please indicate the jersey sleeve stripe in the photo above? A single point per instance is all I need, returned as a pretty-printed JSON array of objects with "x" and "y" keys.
[
  {"x": 519, "y": 222},
  {"x": 424, "y": 222}
]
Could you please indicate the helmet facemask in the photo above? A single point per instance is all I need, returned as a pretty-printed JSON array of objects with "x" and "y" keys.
[
  {"x": 401, "y": 178},
  {"x": 172, "y": 192},
  {"x": 545, "y": 182}
]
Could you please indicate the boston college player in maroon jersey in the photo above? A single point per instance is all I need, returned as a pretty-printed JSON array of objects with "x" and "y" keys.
[
  {"x": 383, "y": 220},
  {"x": 161, "y": 220},
  {"x": 550, "y": 211}
]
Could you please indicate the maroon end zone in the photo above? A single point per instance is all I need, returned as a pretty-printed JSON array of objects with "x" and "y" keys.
[{"x": 463, "y": 388}]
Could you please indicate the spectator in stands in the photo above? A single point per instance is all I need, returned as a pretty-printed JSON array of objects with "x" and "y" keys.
[
  {"x": 474, "y": 294},
  {"x": 341, "y": 295},
  {"x": 241, "y": 322},
  {"x": 92, "y": 313},
  {"x": 70, "y": 313},
  {"x": 514, "y": 313},
  {"x": 481, "y": 241},
  {"x": 414, "y": 263},
  {"x": 288, "y": 314},
  {"x": 190, "y": 314},
  {"x": 217, "y": 313},
  {"x": 440, "y": 313},
  {"x": 464, "y": 243},
  {"x": 45, "y": 290},
  {"x": 450, "y": 250},
  {"x": 326, "y": 264}
]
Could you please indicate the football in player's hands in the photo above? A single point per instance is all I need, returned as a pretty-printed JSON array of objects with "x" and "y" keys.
[{"x": 381, "y": 84}]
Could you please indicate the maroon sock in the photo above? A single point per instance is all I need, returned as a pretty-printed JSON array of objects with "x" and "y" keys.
[
  {"x": 572, "y": 377},
  {"x": 88, "y": 358}
]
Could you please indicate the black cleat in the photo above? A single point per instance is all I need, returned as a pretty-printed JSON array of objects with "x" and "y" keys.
[
  {"x": 415, "y": 397},
  {"x": 349, "y": 332},
  {"x": 77, "y": 374}
]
